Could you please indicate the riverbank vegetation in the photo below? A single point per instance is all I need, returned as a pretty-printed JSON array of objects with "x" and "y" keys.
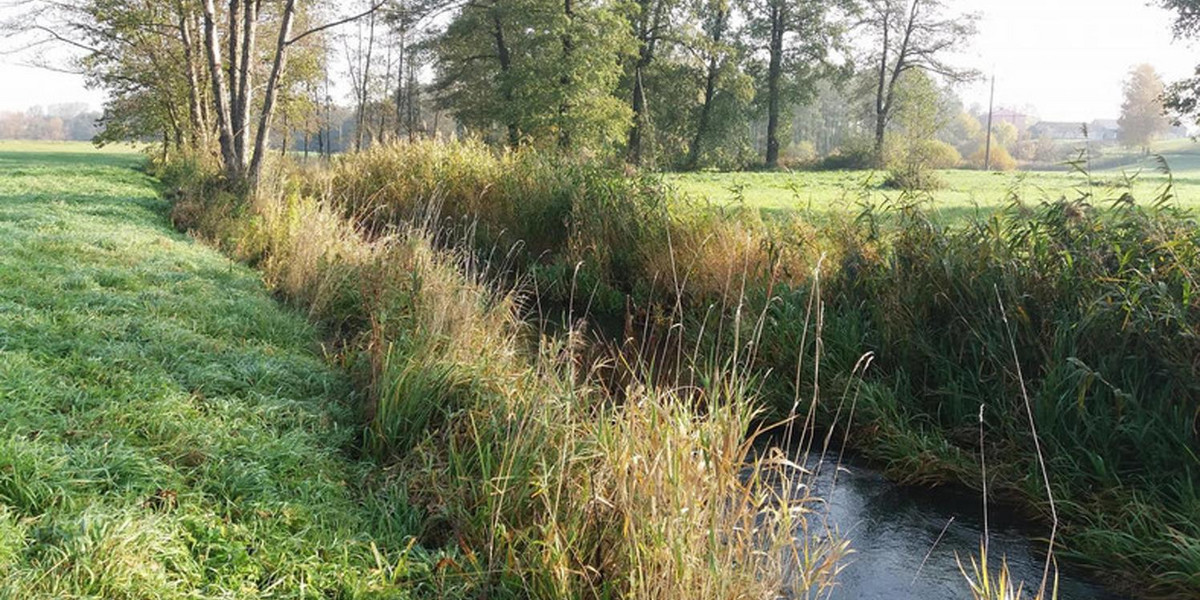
[
  {"x": 1092, "y": 294},
  {"x": 513, "y": 444},
  {"x": 225, "y": 456}
]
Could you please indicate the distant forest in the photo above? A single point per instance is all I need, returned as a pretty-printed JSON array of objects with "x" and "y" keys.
[{"x": 59, "y": 122}]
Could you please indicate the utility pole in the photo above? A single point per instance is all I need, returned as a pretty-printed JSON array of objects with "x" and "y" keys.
[{"x": 991, "y": 105}]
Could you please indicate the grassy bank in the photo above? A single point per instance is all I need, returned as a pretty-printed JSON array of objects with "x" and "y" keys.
[
  {"x": 1090, "y": 297},
  {"x": 166, "y": 429}
]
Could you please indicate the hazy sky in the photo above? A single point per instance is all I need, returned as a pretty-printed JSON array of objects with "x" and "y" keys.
[{"x": 1066, "y": 58}]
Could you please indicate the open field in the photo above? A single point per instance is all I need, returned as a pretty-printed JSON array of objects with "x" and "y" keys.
[
  {"x": 965, "y": 193},
  {"x": 71, "y": 152},
  {"x": 167, "y": 430}
]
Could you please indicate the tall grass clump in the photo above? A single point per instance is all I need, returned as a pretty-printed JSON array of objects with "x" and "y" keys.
[
  {"x": 998, "y": 584},
  {"x": 558, "y": 223},
  {"x": 543, "y": 480}
]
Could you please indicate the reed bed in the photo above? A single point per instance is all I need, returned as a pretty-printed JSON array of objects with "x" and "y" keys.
[{"x": 539, "y": 478}]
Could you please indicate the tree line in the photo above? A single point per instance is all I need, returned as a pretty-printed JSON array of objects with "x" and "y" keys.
[
  {"x": 62, "y": 122},
  {"x": 664, "y": 83},
  {"x": 673, "y": 83}
]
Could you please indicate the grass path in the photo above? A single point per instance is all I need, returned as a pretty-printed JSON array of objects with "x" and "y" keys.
[{"x": 166, "y": 429}]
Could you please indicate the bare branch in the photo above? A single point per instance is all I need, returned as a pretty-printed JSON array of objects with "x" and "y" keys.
[{"x": 338, "y": 23}]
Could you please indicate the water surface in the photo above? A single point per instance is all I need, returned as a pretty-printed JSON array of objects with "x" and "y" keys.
[{"x": 892, "y": 530}]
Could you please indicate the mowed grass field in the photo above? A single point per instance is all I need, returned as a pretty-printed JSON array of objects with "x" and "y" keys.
[
  {"x": 167, "y": 429},
  {"x": 965, "y": 193}
]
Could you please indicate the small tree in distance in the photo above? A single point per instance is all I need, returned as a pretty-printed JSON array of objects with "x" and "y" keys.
[{"x": 1143, "y": 116}]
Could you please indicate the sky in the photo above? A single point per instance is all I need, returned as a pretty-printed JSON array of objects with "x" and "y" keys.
[{"x": 1066, "y": 59}]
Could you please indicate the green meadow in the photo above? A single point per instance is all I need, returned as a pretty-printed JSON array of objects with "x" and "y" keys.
[
  {"x": 963, "y": 193},
  {"x": 167, "y": 429}
]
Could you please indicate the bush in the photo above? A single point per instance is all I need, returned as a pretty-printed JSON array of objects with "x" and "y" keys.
[
  {"x": 855, "y": 155},
  {"x": 525, "y": 208},
  {"x": 913, "y": 179},
  {"x": 940, "y": 155},
  {"x": 911, "y": 164},
  {"x": 798, "y": 154},
  {"x": 1001, "y": 159}
]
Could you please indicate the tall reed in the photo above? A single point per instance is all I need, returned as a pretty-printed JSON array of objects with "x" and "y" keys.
[{"x": 546, "y": 482}]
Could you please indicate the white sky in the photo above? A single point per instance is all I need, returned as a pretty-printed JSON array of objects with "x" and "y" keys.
[
  {"x": 24, "y": 87},
  {"x": 1068, "y": 58},
  {"x": 1064, "y": 58}
]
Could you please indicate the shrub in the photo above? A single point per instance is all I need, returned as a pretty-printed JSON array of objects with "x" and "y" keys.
[
  {"x": 519, "y": 208},
  {"x": 940, "y": 155},
  {"x": 798, "y": 154},
  {"x": 855, "y": 155},
  {"x": 911, "y": 163},
  {"x": 1001, "y": 159},
  {"x": 912, "y": 179}
]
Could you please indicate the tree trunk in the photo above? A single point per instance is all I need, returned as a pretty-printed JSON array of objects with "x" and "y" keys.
[
  {"x": 639, "y": 117},
  {"x": 514, "y": 133},
  {"x": 241, "y": 121},
  {"x": 414, "y": 100},
  {"x": 195, "y": 113},
  {"x": 710, "y": 90},
  {"x": 272, "y": 90},
  {"x": 327, "y": 148},
  {"x": 382, "y": 131},
  {"x": 886, "y": 92},
  {"x": 212, "y": 46},
  {"x": 648, "y": 28},
  {"x": 363, "y": 90},
  {"x": 880, "y": 112},
  {"x": 235, "y": 54},
  {"x": 567, "y": 79},
  {"x": 774, "y": 74},
  {"x": 400, "y": 83}
]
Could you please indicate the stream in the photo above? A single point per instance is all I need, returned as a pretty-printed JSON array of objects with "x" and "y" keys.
[{"x": 892, "y": 529}]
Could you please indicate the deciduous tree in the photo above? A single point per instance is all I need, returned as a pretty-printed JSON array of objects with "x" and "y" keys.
[
  {"x": 544, "y": 70},
  {"x": 912, "y": 35},
  {"x": 1143, "y": 116},
  {"x": 797, "y": 36}
]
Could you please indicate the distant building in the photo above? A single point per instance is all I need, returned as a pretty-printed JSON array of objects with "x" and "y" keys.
[
  {"x": 1019, "y": 120},
  {"x": 1102, "y": 130},
  {"x": 1058, "y": 130}
]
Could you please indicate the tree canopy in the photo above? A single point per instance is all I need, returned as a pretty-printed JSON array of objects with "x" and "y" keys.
[{"x": 1143, "y": 115}]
